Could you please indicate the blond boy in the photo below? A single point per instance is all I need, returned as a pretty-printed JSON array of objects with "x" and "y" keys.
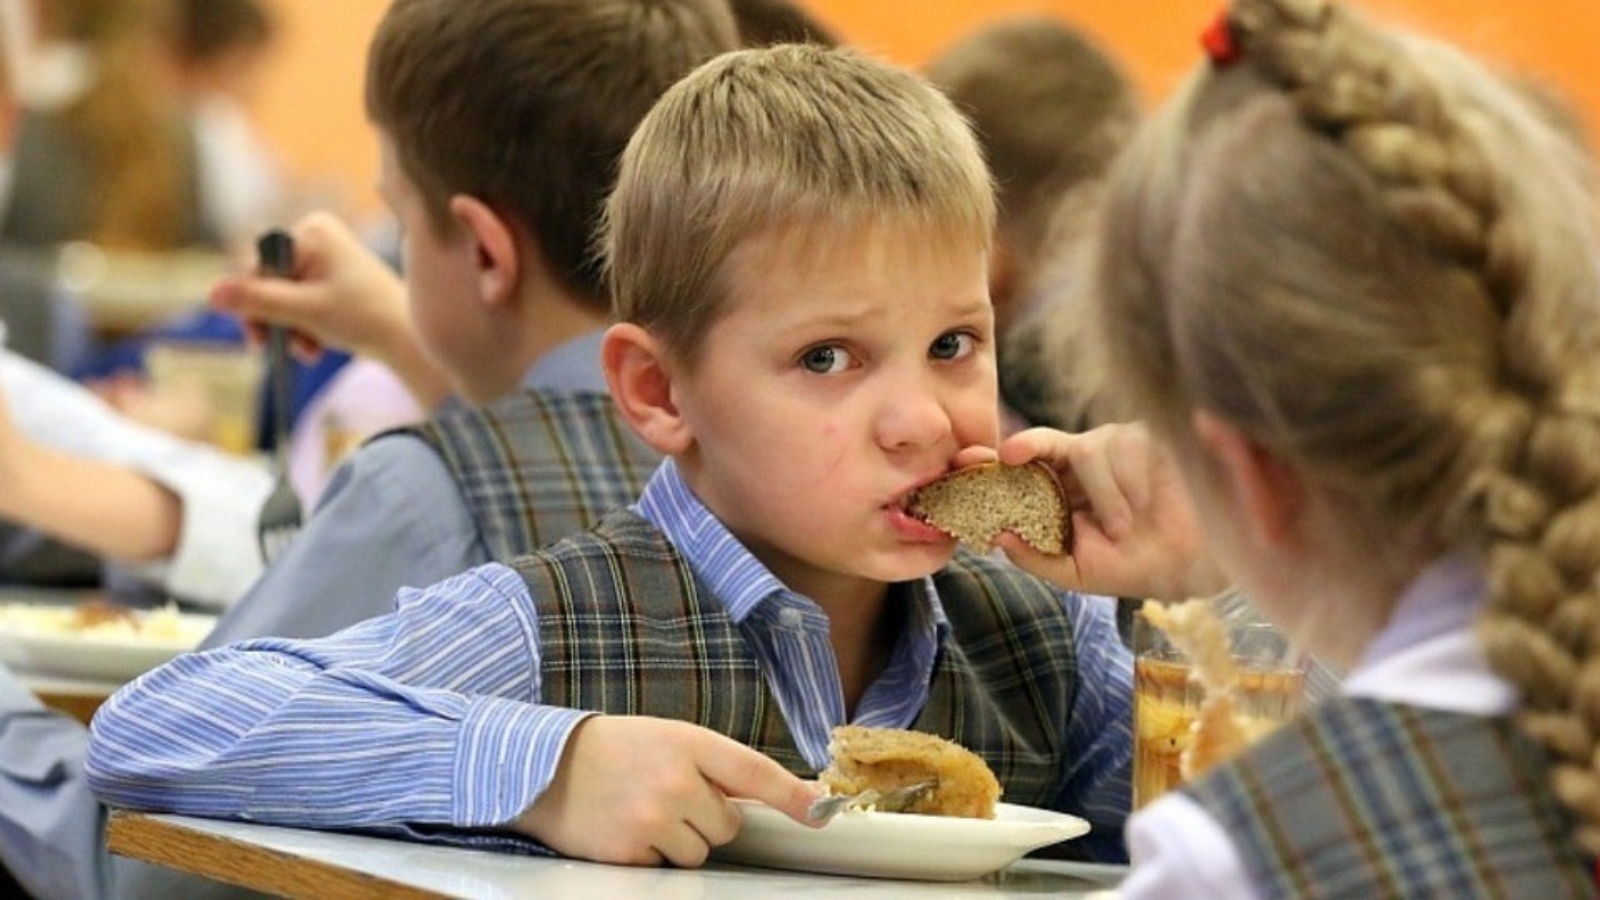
[{"x": 797, "y": 246}]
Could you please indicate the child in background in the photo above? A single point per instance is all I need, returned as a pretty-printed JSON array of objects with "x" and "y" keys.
[
  {"x": 1051, "y": 109},
  {"x": 766, "y": 22},
  {"x": 500, "y": 123},
  {"x": 181, "y": 515},
  {"x": 484, "y": 200},
  {"x": 797, "y": 251},
  {"x": 222, "y": 50},
  {"x": 103, "y": 151},
  {"x": 1349, "y": 276}
]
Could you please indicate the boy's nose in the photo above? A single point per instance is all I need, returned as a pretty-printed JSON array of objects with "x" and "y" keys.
[{"x": 912, "y": 414}]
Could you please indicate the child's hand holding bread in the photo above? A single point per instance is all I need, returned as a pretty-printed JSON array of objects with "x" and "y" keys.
[{"x": 1129, "y": 528}]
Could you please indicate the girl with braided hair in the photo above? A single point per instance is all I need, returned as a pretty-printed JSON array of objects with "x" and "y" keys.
[{"x": 1350, "y": 277}]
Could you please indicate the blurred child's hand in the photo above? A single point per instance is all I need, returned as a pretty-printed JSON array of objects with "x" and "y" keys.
[
  {"x": 645, "y": 791},
  {"x": 13, "y": 446},
  {"x": 341, "y": 295},
  {"x": 1134, "y": 527},
  {"x": 182, "y": 409}
]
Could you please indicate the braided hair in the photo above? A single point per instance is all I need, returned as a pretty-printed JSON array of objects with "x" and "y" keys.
[{"x": 1374, "y": 256}]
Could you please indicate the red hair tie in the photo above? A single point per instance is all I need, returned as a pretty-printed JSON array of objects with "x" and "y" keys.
[{"x": 1220, "y": 43}]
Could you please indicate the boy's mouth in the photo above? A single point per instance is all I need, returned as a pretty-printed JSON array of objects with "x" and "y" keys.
[{"x": 913, "y": 524}]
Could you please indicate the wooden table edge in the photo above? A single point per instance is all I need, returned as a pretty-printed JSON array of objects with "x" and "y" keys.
[{"x": 152, "y": 840}]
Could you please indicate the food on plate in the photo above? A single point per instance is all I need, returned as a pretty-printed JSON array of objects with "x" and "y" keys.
[
  {"x": 884, "y": 759},
  {"x": 99, "y": 619},
  {"x": 976, "y": 503}
]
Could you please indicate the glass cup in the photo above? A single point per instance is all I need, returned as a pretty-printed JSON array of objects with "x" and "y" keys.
[
  {"x": 1166, "y": 701},
  {"x": 224, "y": 378}
]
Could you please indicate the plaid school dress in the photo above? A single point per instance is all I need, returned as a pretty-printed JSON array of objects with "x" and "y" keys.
[{"x": 1363, "y": 799}]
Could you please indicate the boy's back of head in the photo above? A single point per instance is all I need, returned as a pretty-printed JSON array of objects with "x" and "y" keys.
[
  {"x": 1051, "y": 108},
  {"x": 818, "y": 142},
  {"x": 766, "y": 22},
  {"x": 526, "y": 104},
  {"x": 210, "y": 29}
]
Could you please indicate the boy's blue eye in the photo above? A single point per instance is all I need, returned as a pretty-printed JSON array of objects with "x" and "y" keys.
[
  {"x": 825, "y": 360},
  {"x": 952, "y": 345}
]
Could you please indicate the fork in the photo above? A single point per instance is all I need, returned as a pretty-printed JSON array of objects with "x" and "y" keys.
[
  {"x": 893, "y": 800},
  {"x": 280, "y": 515}
]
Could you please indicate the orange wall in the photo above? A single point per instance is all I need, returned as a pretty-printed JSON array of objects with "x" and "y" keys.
[
  {"x": 312, "y": 108},
  {"x": 1559, "y": 39}
]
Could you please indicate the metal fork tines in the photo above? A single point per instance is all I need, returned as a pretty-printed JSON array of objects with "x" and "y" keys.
[
  {"x": 893, "y": 800},
  {"x": 280, "y": 515}
]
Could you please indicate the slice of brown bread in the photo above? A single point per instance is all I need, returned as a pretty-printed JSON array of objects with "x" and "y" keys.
[
  {"x": 889, "y": 758},
  {"x": 976, "y": 503}
]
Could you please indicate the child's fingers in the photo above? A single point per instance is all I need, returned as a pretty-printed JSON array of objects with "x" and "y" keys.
[
  {"x": 1106, "y": 495},
  {"x": 683, "y": 845},
  {"x": 744, "y": 772},
  {"x": 1061, "y": 569},
  {"x": 972, "y": 456}
]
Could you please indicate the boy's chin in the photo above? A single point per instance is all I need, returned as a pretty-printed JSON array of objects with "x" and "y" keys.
[{"x": 918, "y": 561}]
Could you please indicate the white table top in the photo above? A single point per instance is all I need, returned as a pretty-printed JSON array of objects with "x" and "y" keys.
[{"x": 402, "y": 868}]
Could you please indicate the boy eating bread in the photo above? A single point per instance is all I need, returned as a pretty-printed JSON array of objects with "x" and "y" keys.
[{"x": 797, "y": 253}]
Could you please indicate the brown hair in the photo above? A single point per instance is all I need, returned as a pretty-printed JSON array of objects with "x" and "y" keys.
[
  {"x": 526, "y": 104},
  {"x": 1372, "y": 255},
  {"x": 818, "y": 142},
  {"x": 1051, "y": 109},
  {"x": 763, "y": 23},
  {"x": 141, "y": 155},
  {"x": 209, "y": 28}
]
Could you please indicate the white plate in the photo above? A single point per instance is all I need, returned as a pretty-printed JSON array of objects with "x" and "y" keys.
[
  {"x": 895, "y": 845},
  {"x": 36, "y": 640}
]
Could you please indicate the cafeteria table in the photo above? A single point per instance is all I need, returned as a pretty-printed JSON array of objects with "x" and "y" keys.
[{"x": 292, "y": 862}]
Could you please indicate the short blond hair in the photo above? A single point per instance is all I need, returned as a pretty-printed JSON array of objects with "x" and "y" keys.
[{"x": 796, "y": 138}]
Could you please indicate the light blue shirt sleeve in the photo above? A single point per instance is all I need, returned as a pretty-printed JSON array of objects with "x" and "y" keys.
[
  {"x": 52, "y": 825},
  {"x": 391, "y": 518},
  {"x": 424, "y": 723},
  {"x": 1098, "y": 782},
  {"x": 50, "y": 838}
]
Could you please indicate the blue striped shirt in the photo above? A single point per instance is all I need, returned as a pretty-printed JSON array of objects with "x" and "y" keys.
[{"x": 432, "y": 715}]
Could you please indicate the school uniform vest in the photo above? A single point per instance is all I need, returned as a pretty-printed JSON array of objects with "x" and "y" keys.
[
  {"x": 1361, "y": 799},
  {"x": 539, "y": 465},
  {"x": 625, "y": 627}
]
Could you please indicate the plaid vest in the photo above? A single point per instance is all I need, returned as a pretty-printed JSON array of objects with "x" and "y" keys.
[
  {"x": 537, "y": 466},
  {"x": 626, "y": 628},
  {"x": 1361, "y": 799}
]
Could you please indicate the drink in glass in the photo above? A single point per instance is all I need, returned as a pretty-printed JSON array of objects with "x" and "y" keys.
[{"x": 1167, "y": 700}]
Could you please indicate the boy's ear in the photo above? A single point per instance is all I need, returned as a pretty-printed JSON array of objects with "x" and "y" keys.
[
  {"x": 640, "y": 378},
  {"x": 495, "y": 244},
  {"x": 1261, "y": 485}
]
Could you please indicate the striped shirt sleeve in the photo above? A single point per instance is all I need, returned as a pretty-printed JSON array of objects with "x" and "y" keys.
[
  {"x": 1098, "y": 781},
  {"x": 414, "y": 722}
]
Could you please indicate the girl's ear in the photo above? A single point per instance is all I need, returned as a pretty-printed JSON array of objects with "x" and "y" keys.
[
  {"x": 1258, "y": 484},
  {"x": 641, "y": 382},
  {"x": 493, "y": 241}
]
